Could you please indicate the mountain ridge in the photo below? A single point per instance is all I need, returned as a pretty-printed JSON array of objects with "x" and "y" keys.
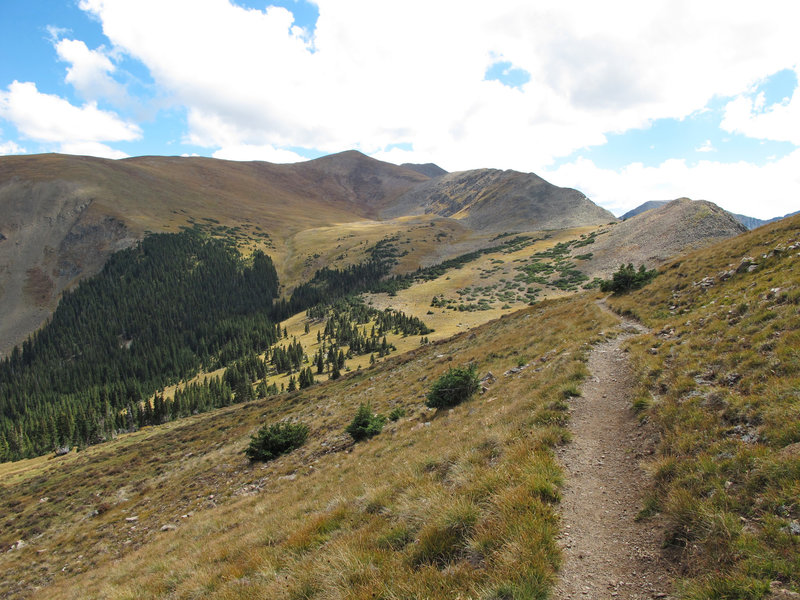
[
  {"x": 65, "y": 215},
  {"x": 529, "y": 202},
  {"x": 749, "y": 222}
]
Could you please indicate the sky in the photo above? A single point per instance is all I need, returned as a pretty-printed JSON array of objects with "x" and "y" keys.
[{"x": 627, "y": 101}]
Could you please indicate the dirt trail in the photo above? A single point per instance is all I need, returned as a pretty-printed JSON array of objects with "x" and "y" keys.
[{"x": 607, "y": 554}]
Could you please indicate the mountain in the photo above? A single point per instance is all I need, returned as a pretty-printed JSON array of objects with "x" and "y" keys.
[
  {"x": 752, "y": 222},
  {"x": 644, "y": 207},
  {"x": 748, "y": 222},
  {"x": 493, "y": 200},
  {"x": 655, "y": 235},
  {"x": 428, "y": 169},
  {"x": 63, "y": 216}
]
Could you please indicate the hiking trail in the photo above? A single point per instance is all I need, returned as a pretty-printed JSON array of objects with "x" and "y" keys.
[{"x": 607, "y": 553}]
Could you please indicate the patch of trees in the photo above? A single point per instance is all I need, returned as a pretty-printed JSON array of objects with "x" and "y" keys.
[
  {"x": 627, "y": 278},
  {"x": 361, "y": 329},
  {"x": 156, "y": 314}
]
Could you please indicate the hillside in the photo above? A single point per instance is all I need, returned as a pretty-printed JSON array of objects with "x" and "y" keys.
[
  {"x": 65, "y": 215},
  {"x": 718, "y": 377},
  {"x": 440, "y": 503},
  {"x": 655, "y": 235},
  {"x": 748, "y": 222},
  {"x": 454, "y": 502},
  {"x": 488, "y": 199},
  {"x": 428, "y": 169}
]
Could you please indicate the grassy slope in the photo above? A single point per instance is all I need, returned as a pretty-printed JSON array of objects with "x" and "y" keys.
[
  {"x": 721, "y": 379},
  {"x": 442, "y": 504}
]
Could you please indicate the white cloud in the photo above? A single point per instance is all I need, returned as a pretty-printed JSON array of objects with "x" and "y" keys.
[
  {"x": 764, "y": 191},
  {"x": 748, "y": 115},
  {"x": 378, "y": 72},
  {"x": 706, "y": 146},
  {"x": 50, "y": 118},
  {"x": 91, "y": 149},
  {"x": 11, "y": 147},
  {"x": 90, "y": 71},
  {"x": 252, "y": 152}
]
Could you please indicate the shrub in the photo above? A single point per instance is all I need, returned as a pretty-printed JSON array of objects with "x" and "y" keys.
[
  {"x": 627, "y": 278},
  {"x": 397, "y": 413},
  {"x": 365, "y": 424},
  {"x": 276, "y": 439},
  {"x": 452, "y": 388}
]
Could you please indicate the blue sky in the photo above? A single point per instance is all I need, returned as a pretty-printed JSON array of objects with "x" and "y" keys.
[{"x": 690, "y": 99}]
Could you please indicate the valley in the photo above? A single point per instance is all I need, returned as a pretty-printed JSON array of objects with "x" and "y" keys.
[{"x": 318, "y": 288}]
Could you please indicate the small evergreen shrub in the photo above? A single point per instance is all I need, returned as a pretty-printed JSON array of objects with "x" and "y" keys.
[
  {"x": 276, "y": 439},
  {"x": 627, "y": 278},
  {"x": 365, "y": 424},
  {"x": 452, "y": 388},
  {"x": 397, "y": 413}
]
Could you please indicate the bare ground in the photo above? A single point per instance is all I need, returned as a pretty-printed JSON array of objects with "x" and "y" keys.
[{"x": 607, "y": 553}]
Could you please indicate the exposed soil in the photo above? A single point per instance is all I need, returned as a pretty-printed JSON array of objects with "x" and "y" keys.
[{"x": 607, "y": 553}]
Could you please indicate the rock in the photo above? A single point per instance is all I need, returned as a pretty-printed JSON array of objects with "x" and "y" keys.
[
  {"x": 169, "y": 527},
  {"x": 18, "y": 545},
  {"x": 745, "y": 264},
  {"x": 62, "y": 450},
  {"x": 793, "y": 528},
  {"x": 131, "y": 519},
  {"x": 778, "y": 592},
  {"x": 732, "y": 378}
]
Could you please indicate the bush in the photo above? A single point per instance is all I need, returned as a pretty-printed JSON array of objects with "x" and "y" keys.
[
  {"x": 397, "y": 413},
  {"x": 365, "y": 424},
  {"x": 627, "y": 278},
  {"x": 272, "y": 441},
  {"x": 452, "y": 388}
]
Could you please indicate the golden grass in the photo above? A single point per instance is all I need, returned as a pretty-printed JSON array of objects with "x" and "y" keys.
[{"x": 456, "y": 503}]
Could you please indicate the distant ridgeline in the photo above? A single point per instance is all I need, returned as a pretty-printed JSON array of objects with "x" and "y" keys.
[{"x": 155, "y": 315}]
